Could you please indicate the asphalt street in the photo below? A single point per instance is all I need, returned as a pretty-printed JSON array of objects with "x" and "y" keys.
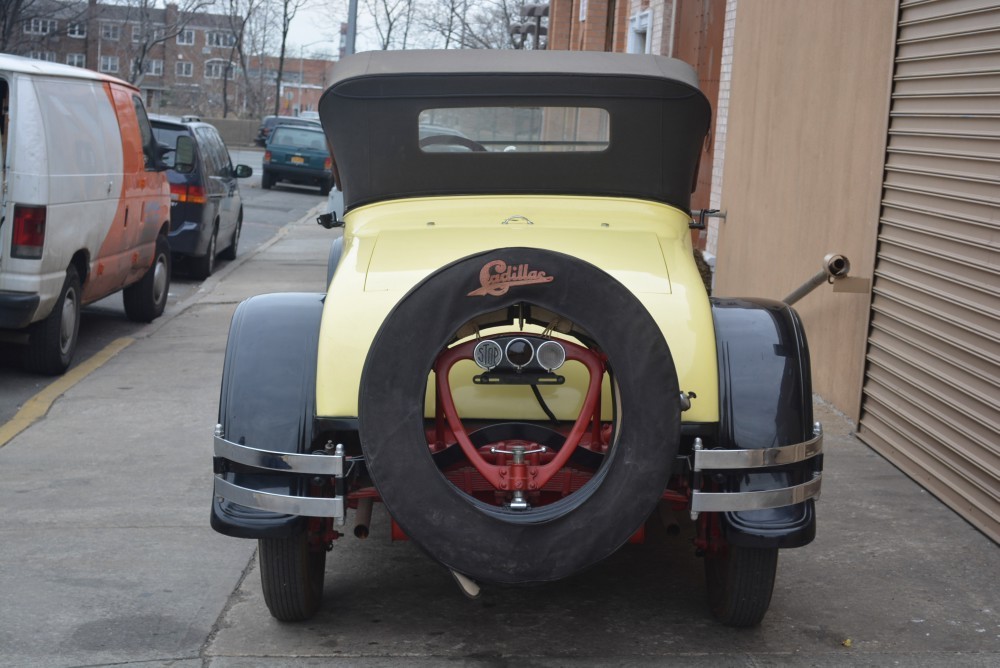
[
  {"x": 107, "y": 558},
  {"x": 265, "y": 212}
]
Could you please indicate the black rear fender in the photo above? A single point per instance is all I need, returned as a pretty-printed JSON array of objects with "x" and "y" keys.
[
  {"x": 765, "y": 395},
  {"x": 268, "y": 402}
]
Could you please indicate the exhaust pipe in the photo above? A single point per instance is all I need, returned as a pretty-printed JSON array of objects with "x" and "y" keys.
[
  {"x": 835, "y": 266},
  {"x": 363, "y": 517}
]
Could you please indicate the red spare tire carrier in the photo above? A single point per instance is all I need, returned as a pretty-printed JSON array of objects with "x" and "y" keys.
[{"x": 492, "y": 543}]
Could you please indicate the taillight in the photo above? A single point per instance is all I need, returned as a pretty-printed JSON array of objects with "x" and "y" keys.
[
  {"x": 267, "y": 156},
  {"x": 29, "y": 232},
  {"x": 328, "y": 163},
  {"x": 180, "y": 192}
]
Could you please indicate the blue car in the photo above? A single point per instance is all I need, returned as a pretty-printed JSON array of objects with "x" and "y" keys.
[
  {"x": 206, "y": 209},
  {"x": 297, "y": 155}
]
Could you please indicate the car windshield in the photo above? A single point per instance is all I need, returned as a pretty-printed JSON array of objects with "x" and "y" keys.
[
  {"x": 285, "y": 135},
  {"x": 514, "y": 129}
]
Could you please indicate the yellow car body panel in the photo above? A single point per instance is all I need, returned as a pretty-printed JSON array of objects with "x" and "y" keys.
[{"x": 389, "y": 247}]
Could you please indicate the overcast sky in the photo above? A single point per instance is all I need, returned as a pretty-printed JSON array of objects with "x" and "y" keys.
[{"x": 319, "y": 25}]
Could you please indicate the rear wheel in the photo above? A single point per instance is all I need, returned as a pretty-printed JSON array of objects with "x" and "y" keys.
[
  {"x": 291, "y": 575},
  {"x": 266, "y": 180},
  {"x": 146, "y": 299},
  {"x": 740, "y": 581},
  {"x": 52, "y": 342},
  {"x": 202, "y": 267}
]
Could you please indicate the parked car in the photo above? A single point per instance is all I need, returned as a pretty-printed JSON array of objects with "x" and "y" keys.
[
  {"x": 84, "y": 204},
  {"x": 516, "y": 353},
  {"x": 297, "y": 155},
  {"x": 206, "y": 209},
  {"x": 270, "y": 122}
]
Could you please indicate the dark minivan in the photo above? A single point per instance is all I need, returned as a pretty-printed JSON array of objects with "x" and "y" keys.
[{"x": 206, "y": 210}]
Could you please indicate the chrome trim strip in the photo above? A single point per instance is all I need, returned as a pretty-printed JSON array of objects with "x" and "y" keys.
[
  {"x": 279, "y": 503},
  {"x": 289, "y": 462},
  {"x": 750, "y": 459},
  {"x": 717, "y": 502}
]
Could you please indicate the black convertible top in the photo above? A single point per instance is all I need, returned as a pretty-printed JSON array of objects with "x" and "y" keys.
[{"x": 658, "y": 122}]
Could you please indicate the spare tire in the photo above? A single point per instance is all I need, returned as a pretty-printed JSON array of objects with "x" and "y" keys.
[{"x": 491, "y": 543}]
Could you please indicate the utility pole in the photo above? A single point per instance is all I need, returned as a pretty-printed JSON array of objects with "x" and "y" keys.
[{"x": 352, "y": 26}]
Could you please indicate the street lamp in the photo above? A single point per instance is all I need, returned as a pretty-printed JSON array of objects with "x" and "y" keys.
[{"x": 302, "y": 49}]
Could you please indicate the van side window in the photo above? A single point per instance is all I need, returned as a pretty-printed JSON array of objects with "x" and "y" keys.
[
  {"x": 215, "y": 151},
  {"x": 146, "y": 130}
]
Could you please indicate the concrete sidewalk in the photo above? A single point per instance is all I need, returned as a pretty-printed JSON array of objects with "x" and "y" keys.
[{"x": 106, "y": 556}]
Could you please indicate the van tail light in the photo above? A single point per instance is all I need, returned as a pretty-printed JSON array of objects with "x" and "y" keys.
[
  {"x": 29, "y": 232},
  {"x": 267, "y": 156},
  {"x": 180, "y": 192},
  {"x": 328, "y": 163}
]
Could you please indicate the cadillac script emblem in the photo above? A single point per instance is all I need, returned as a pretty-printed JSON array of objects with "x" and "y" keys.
[{"x": 497, "y": 277}]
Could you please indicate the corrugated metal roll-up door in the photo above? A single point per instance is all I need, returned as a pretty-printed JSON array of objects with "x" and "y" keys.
[{"x": 932, "y": 387}]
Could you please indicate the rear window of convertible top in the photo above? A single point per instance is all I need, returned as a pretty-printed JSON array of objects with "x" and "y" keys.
[{"x": 514, "y": 129}]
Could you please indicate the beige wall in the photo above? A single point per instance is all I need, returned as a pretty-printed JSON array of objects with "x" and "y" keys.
[{"x": 805, "y": 147}]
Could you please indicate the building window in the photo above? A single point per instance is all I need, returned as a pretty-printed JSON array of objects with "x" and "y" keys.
[
  {"x": 186, "y": 36},
  {"x": 215, "y": 69},
  {"x": 40, "y": 26},
  {"x": 638, "y": 33},
  {"x": 78, "y": 30},
  {"x": 139, "y": 34},
  {"x": 221, "y": 39},
  {"x": 109, "y": 64},
  {"x": 151, "y": 68},
  {"x": 184, "y": 69},
  {"x": 76, "y": 59},
  {"x": 111, "y": 32},
  {"x": 49, "y": 56}
]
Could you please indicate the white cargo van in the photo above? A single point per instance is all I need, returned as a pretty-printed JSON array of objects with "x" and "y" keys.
[{"x": 84, "y": 205}]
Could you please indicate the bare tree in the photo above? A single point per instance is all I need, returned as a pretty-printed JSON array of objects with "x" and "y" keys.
[
  {"x": 288, "y": 10},
  {"x": 26, "y": 23},
  {"x": 445, "y": 19},
  {"x": 240, "y": 13},
  {"x": 488, "y": 25},
  {"x": 392, "y": 19},
  {"x": 474, "y": 24}
]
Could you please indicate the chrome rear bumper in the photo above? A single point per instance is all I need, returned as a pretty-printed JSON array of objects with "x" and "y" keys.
[
  {"x": 747, "y": 460},
  {"x": 323, "y": 465}
]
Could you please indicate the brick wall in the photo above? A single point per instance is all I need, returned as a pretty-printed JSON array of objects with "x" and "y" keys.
[{"x": 721, "y": 121}]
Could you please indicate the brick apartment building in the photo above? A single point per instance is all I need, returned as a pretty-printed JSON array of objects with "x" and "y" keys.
[{"x": 187, "y": 60}]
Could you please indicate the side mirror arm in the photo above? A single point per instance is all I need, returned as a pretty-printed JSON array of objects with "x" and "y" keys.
[{"x": 329, "y": 220}]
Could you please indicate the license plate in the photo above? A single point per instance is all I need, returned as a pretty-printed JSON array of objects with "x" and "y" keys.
[{"x": 297, "y": 160}]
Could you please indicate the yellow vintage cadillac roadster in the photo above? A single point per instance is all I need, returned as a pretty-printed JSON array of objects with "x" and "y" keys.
[{"x": 516, "y": 353}]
